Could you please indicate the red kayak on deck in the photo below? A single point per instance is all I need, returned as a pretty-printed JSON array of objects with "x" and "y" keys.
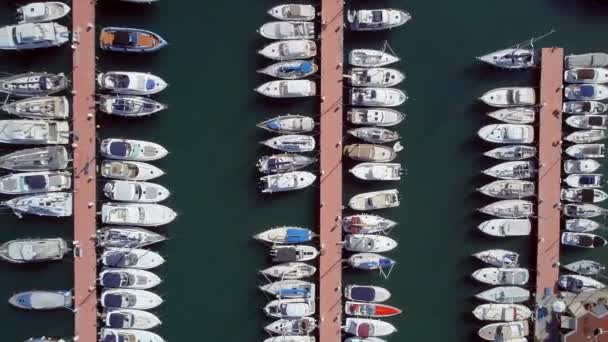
[{"x": 370, "y": 309}]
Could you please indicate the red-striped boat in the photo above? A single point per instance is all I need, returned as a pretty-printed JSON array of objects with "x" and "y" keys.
[{"x": 370, "y": 309}]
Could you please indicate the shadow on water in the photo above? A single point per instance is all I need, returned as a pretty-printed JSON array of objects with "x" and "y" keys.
[{"x": 590, "y": 9}]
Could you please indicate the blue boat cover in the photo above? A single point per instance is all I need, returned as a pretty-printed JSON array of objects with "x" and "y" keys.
[
  {"x": 303, "y": 67},
  {"x": 115, "y": 259},
  {"x": 366, "y": 294},
  {"x": 116, "y": 320},
  {"x": 112, "y": 300},
  {"x": 114, "y": 338},
  {"x": 587, "y": 90},
  {"x": 119, "y": 148},
  {"x": 25, "y": 300},
  {"x": 36, "y": 182},
  {"x": 296, "y": 235},
  {"x": 274, "y": 124},
  {"x": 386, "y": 262},
  {"x": 150, "y": 84},
  {"x": 293, "y": 292},
  {"x": 110, "y": 280}
]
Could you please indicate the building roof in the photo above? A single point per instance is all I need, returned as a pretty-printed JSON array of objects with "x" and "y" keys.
[{"x": 591, "y": 326}]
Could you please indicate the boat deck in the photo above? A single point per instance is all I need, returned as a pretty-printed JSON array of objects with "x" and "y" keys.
[
  {"x": 549, "y": 181},
  {"x": 83, "y": 118},
  {"x": 330, "y": 267}
]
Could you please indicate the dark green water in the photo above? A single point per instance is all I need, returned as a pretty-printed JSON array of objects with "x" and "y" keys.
[{"x": 211, "y": 274}]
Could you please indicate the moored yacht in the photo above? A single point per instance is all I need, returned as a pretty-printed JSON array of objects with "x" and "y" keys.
[
  {"x": 586, "y": 60},
  {"x": 284, "y": 162},
  {"x": 130, "y": 319},
  {"x": 292, "y": 326},
  {"x": 581, "y": 225},
  {"x": 288, "y": 30},
  {"x": 374, "y": 135},
  {"x": 41, "y": 107},
  {"x": 584, "y": 107},
  {"x": 129, "y": 299},
  {"x": 583, "y": 210},
  {"x": 506, "y": 331},
  {"x": 498, "y": 257},
  {"x": 585, "y": 92},
  {"x": 584, "y": 240},
  {"x": 510, "y": 97},
  {"x": 34, "y": 132},
  {"x": 130, "y": 191},
  {"x": 33, "y": 36},
  {"x": 54, "y": 204},
  {"x": 512, "y": 152},
  {"x": 287, "y": 181},
  {"x": 366, "y": 293},
  {"x": 137, "y": 258},
  {"x": 127, "y": 237},
  {"x": 578, "y": 283},
  {"x": 139, "y": 214},
  {"x": 583, "y": 195},
  {"x": 370, "y": 153},
  {"x": 375, "y": 200},
  {"x": 377, "y": 171},
  {"x": 289, "y": 49},
  {"x": 128, "y": 278},
  {"x": 507, "y": 134},
  {"x": 509, "y": 189},
  {"x": 509, "y": 209},
  {"x": 129, "y": 106},
  {"x": 374, "y": 97},
  {"x": 288, "y": 124},
  {"x": 129, "y": 170},
  {"x": 290, "y": 270},
  {"x": 42, "y": 300},
  {"x": 368, "y": 58},
  {"x": 511, "y": 58},
  {"x": 33, "y": 84},
  {"x": 291, "y": 143},
  {"x": 588, "y": 121},
  {"x": 46, "y": 158},
  {"x": 375, "y": 77},
  {"x": 376, "y": 19},
  {"x": 130, "y": 149},
  {"x": 290, "y": 70},
  {"x": 122, "y": 39},
  {"x": 502, "y": 276},
  {"x": 502, "y": 312},
  {"x": 506, "y": 227},
  {"x": 291, "y": 288},
  {"x": 514, "y": 115},
  {"x": 131, "y": 82},
  {"x": 288, "y": 89},
  {"x": 365, "y": 327},
  {"x": 382, "y": 117},
  {"x": 368, "y": 243},
  {"x": 293, "y": 253},
  {"x": 512, "y": 170},
  {"x": 370, "y": 261},
  {"x": 119, "y": 335},
  {"x": 293, "y": 12},
  {"x": 586, "y": 136},
  {"x": 586, "y": 75},
  {"x": 366, "y": 224},
  {"x": 33, "y": 250},
  {"x": 40, "y": 12},
  {"x": 290, "y": 308},
  {"x": 585, "y": 180},
  {"x": 285, "y": 235},
  {"x": 578, "y": 166},
  {"x": 586, "y": 151},
  {"x": 585, "y": 267},
  {"x": 504, "y": 294}
]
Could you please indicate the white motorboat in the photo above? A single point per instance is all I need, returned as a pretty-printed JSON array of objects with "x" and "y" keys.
[
  {"x": 287, "y": 181},
  {"x": 586, "y": 75},
  {"x": 507, "y": 134},
  {"x": 39, "y": 12},
  {"x": 376, "y": 97},
  {"x": 585, "y": 267},
  {"x": 127, "y": 237},
  {"x": 587, "y": 180},
  {"x": 23, "y": 251},
  {"x": 382, "y": 117},
  {"x": 374, "y": 135},
  {"x": 366, "y": 327},
  {"x": 292, "y": 326},
  {"x": 289, "y": 49},
  {"x": 504, "y": 294},
  {"x": 33, "y": 84},
  {"x": 42, "y": 300},
  {"x": 365, "y": 309},
  {"x": 35, "y": 182},
  {"x": 290, "y": 308},
  {"x": 498, "y": 257},
  {"x": 586, "y": 136},
  {"x": 130, "y": 319},
  {"x": 587, "y": 60},
  {"x": 512, "y": 152},
  {"x": 581, "y": 225},
  {"x": 129, "y": 299},
  {"x": 290, "y": 270},
  {"x": 502, "y": 276},
  {"x": 131, "y": 82},
  {"x": 368, "y": 58},
  {"x": 514, "y": 115},
  {"x": 370, "y": 153},
  {"x": 363, "y": 339},
  {"x": 364, "y": 243},
  {"x": 375, "y": 77},
  {"x": 129, "y": 170},
  {"x": 138, "y": 214},
  {"x": 283, "y": 162},
  {"x": 583, "y": 210},
  {"x": 511, "y": 58},
  {"x": 36, "y": 159},
  {"x": 53, "y": 204},
  {"x": 293, "y": 253},
  {"x": 586, "y": 151},
  {"x": 509, "y": 189},
  {"x": 288, "y": 124},
  {"x": 39, "y": 107},
  {"x": 510, "y": 331},
  {"x": 288, "y": 30},
  {"x": 375, "y": 200},
  {"x": 577, "y": 166},
  {"x": 293, "y": 12},
  {"x": 34, "y": 132},
  {"x": 366, "y": 293},
  {"x": 288, "y": 88},
  {"x": 502, "y": 312},
  {"x": 129, "y": 106},
  {"x": 130, "y": 149},
  {"x": 290, "y": 288},
  {"x": 366, "y": 224},
  {"x": 141, "y": 259},
  {"x": 128, "y": 278},
  {"x": 285, "y": 235},
  {"x": 578, "y": 283},
  {"x": 108, "y": 334},
  {"x": 130, "y": 191},
  {"x": 513, "y": 209},
  {"x": 584, "y": 107},
  {"x": 370, "y": 261},
  {"x": 290, "y": 70},
  {"x": 290, "y": 338},
  {"x": 588, "y": 121},
  {"x": 512, "y": 170},
  {"x": 510, "y": 97},
  {"x": 583, "y": 195},
  {"x": 583, "y": 240},
  {"x": 584, "y": 92},
  {"x": 291, "y": 143},
  {"x": 506, "y": 227},
  {"x": 377, "y": 171},
  {"x": 376, "y": 19},
  {"x": 33, "y": 36}
]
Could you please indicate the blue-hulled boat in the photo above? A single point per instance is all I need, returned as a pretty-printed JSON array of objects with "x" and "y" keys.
[
  {"x": 124, "y": 39},
  {"x": 290, "y": 70},
  {"x": 285, "y": 235},
  {"x": 288, "y": 124},
  {"x": 370, "y": 261},
  {"x": 365, "y": 293},
  {"x": 42, "y": 300},
  {"x": 292, "y": 288}
]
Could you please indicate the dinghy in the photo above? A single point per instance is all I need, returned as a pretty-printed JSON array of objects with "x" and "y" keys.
[
  {"x": 40, "y": 107},
  {"x": 376, "y": 97},
  {"x": 374, "y": 77},
  {"x": 130, "y": 149},
  {"x": 586, "y": 75},
  {"x": 129, "y": 170},
  {"x": 129, "y": 191},
  {"x": 131, "y": 82},
  {"x": 587, "y": 60},
  {"x": 510, "y": 97},
  {"x": 40, "y": 12},
  {"x": 290, "y": 70},
  {"x": 289, "y": 50},
  {"x": 502, "y": 276},
  {"x": 118, "y": 335},
  {"x": 291, "y": 143},
  {"x": 511, "y": 331},
  {"x": 366, "y": 224},
  {"x": 375, "y": 200},
  {"x": 130, "y": 319},
  {"x": 512, "y": 152},
  {"x": 584, "y": 107},
  {"x": 511, "y": 58},
  {"x": 585, "y": 267},
  {"x": 122, "y": 39},
  {"x": 365, "y": 293},
  {"x": 370, "y": 261},
  {"x": 295, "y": 253},
  {"x": 584, "y": 240},
  {"x": 376, "y": 19},
  {"x": 288, "y": 124},
  {"x": 138, "y": 214},
  {"x": 284, "y": 162},
  {"x": 377, "y": 171},
  {"x": 141, "y": 259},
  {"x": 290, "y": 308},
  {"x": 507, "y": 134},
  {"x": 586, "y": 136},
  {"x": 374, "y": 135},
  {"x": 368, "y": 58},
  {"x": 370, "y": 153},
  {"x": 285, "y": 235},
  {"x": 128, "y": 278},
  {"x": 588, "y": 121},
  {"x": 586, "y": 151},
  {"x": 363, "y": 243},
  {"x": 514, "y": 115},
  {"x": 291, "y": 288},
  {"x": 583, "y": 195},
  {"x": 34, "y": 132},
  {"x": 498, "y": 257},
  {"x": 290, "y": 270},
  {"x": 512, "y": 170},
  {"x": 42, "y": 300},
  {"x": 35, "y": 182},
  {"x": 293, "y": 12},
  {"x": 288, "y": 181},
  {"x": 584, "y": 92},
  {"x": 46, "y": 158},
  {"x": 513, "y": 209},
  {"x": 31, "y": 36},
  {"x": 129, "y": 106},
  {"x": 502, "y": 312},
  {"x": 288, "y": 30},
  {"x": 578, "y": 283},
  {"x": 33, "y": 84},
  {"x": 504, "y": 295},
  {"x": 129, "y": 299},
  {"x": 364, "y": 327},
  {"x": 577, "y": 166},
  {"x": 588, "y": 180},
  {"x": 23, "y": 251},
  {"x": 509, "y": 189},
  {"x": 382, "y": 117},
  {"x": 370, "y": 309},
  {"x": 288, "y": 89},
  {"x": 583, "y": 210},
  {"x": 127, "y": 237},
  {"x": 581, "y": 225},
  {"x": 53, "y": 204},
  {"x": 506, "y": 227},
  {"x": 292, "y": 326}
]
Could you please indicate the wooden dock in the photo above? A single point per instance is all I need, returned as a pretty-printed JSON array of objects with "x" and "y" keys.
[
  {"x": 84, "y": 150},
  {"x": 331, "y": 111}
]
